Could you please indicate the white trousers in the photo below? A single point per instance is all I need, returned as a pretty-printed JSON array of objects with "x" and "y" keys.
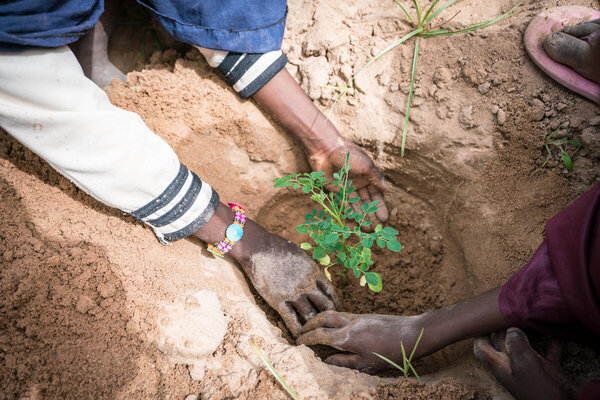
[{"x": 48, "y": 105}]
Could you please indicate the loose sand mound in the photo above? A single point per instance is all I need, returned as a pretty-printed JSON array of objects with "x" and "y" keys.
[{"x": 92, "y": 306}]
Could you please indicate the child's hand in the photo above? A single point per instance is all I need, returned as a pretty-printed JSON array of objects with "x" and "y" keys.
[
  {"x": 362, "y": 335},
  {"x": 366, "y": 178}
]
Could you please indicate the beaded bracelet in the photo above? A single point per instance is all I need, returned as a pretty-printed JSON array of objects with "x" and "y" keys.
[{"x": 234, "y": 232}]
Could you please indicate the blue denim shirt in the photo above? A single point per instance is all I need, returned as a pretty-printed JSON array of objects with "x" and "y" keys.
[{"x": 245, "y": 26}]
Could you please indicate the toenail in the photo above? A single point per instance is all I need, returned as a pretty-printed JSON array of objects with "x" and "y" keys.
[{"x": 513, "y": 331}]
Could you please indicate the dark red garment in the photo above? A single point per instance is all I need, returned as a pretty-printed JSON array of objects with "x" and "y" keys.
[{"x": 558, "y": 291}]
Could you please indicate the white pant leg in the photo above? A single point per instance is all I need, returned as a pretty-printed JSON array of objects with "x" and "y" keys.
[{"x": 47, "y": 104}]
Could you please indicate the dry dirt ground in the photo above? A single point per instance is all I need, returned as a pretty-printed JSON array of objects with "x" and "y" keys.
[{"x": 92, "y": 306}]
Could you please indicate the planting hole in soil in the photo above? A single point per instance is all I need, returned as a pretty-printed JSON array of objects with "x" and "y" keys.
[{"x": 93, "y": 306}]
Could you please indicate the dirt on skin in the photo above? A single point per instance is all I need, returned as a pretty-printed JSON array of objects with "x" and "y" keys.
[{"x": 88, "y": 295}]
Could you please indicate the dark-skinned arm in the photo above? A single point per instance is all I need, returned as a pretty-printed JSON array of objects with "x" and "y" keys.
[
  {"x": 282, "y": 273},
  {"x": 285, "y": 101}
]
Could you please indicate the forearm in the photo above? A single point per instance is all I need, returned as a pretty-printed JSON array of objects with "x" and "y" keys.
[
  {"x": 285, "y": 101},
  {"x": 474, "y": 317}
]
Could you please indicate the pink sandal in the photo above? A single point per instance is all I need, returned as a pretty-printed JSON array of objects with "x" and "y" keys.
[{"x": 553, "y": 20}]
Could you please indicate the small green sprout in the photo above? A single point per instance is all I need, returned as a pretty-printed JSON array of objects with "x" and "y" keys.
[
  {"x": 334, "y": 241},
  {"x": 422, "y": 28},
  {"x": 559, "y": 143},
  {"x": 272, "y": 369},
  {"x": 406, "y": 361}
]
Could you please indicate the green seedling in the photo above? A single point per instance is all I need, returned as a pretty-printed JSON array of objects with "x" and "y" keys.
[
  {"x": 406, "y": 361},
  {"x": 423, "y": 28},
  {"x": 272, "y": 369},
  {"x": 559, "y": 144},
  {"x": 334, "y": 240}
]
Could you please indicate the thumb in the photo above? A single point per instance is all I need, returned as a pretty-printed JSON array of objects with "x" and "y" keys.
[{"x": 377, "y": 179}]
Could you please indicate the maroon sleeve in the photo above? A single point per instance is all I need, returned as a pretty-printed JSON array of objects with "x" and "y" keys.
[
  {"x": 557, "y": 292},
  {"x": 573, "y": 238}
]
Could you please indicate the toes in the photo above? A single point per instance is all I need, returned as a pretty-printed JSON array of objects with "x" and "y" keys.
[
  {"x": 495, "y": 361},
  {"x": 567, "y": 49},
  {"x": 353, "y": 361},
  {"x": 581, "y": 30},
  {"x": 498, "y": 339},
  {"x": 519, "y": 350}
]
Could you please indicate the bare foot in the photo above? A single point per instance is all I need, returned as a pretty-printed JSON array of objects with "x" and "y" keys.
[
  {"x": 92, "y": 53},
  {"x": 577, "y": 46},
  {"x": 521, "y": 370}
]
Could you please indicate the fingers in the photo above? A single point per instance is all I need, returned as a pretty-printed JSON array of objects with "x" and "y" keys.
[
  {"x": 583, "y": 29},
  {"x": 567, "y": 49},
  {"x": 377, "y": 179},
  {"x": 326, "y": 336},
  {"x": 327, "y": 319},
  {"x": 382, "y": 213},
  {"x": 320, "y": 301},
  {"x": 290, "y": 318},
  {"x": 496, "y": 361},
  {"x": 353, "y": 361},
  {"x": 304, "y": 308},
  {"x": 327, "y": 288}
]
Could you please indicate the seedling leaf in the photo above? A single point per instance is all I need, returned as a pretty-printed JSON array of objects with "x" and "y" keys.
[{"x": 567, "y": 160}]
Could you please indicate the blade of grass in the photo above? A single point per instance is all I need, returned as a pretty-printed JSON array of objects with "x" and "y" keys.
[
  {"x": 548, "y": 156},
  {"x": 417, "y": 4},
  {"x": 429, "y": 10},
  {"x": 416, "y": 344},
  {"x": 341, "y": 95},
  {"x": 470, "y": 27},
  {"x": 258, "y": 351},
  {"x": 405, "y": 12},
  {"x": 414, "y": 372},
  {"x": 439, "y": 10},
  {"x": 387, "y": 50},
  {"x": 405, "y": 369},
  {"x": 410, "y": 96},
  {"x": 371, "y": 61},
  {"x": 389, "y": 361}
]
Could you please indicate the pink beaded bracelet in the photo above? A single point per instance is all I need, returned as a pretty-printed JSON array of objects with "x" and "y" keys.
[{"x": 234, "y": 232}]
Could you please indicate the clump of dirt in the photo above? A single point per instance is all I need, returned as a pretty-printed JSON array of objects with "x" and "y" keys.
[{"x": 84, "y": 289}]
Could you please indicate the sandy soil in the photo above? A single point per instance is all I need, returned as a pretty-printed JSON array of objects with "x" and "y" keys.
[{"x": 92, "y": 306}]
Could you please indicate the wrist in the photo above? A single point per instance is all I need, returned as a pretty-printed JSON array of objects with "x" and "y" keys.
[
  {"x": 215, "y": 230},
  {"x": 321, "y": 137}
]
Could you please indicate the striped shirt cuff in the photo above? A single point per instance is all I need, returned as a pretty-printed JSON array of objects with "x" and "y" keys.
[
  {"x": 246, "y": 72},
  {"x": 183, "y": 208}
]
